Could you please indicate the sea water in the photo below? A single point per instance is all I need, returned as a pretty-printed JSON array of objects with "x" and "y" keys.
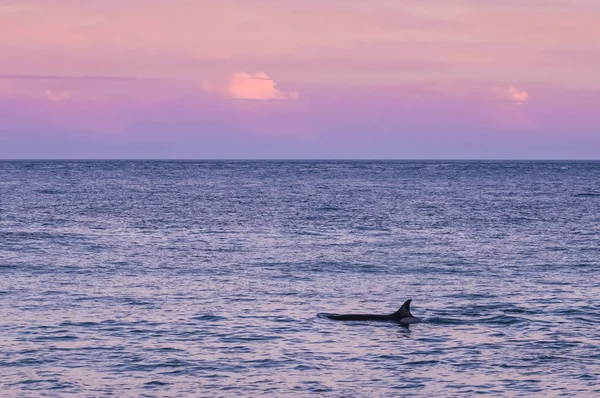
[{"x": 205, "y": 278}]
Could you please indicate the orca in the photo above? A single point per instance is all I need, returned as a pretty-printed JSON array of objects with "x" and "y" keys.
[{"x": 402, "y": 316}]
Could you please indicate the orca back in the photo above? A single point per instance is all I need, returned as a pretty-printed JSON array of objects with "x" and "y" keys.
[{"x": 403, "y": 315}]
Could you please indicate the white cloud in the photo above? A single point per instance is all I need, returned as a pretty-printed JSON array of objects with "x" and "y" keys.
[{"x": 511, "y": 94}]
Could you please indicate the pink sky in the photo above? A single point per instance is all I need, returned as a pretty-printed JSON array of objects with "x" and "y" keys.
[{"x": 300, "y": 79}]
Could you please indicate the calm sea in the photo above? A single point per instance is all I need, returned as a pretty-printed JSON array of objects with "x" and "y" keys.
[{"x": 148, "y": 278}]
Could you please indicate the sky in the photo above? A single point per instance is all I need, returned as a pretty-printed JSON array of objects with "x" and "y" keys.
[{"x": 300, "y": 79}]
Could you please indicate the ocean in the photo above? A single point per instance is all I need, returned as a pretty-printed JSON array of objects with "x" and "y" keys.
[{"x": 205, "y": 278}]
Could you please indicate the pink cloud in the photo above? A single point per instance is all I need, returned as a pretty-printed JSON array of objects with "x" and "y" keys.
[
  {"x": 511, "y": 93},
  {"x": 256, "y": 86}
]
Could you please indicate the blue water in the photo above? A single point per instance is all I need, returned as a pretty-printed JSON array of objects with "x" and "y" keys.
[{"x": 133, "y": 278}]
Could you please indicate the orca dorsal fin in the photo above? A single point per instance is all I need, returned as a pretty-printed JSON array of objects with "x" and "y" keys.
[{"x": 404, "y": 311}]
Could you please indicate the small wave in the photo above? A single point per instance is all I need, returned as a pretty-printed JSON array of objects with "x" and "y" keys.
[
  {"x": 156, "y": 383},
  {"x": 169, "y": 364},
  {"x": 497, "y": 319},
  {"x": 503, "y": 320},
  {"x": 444, "y": 321},
  {"x": 49, "y": 191},
  {"x": 329, "y": 208},
  {"x": 303, "y": 367},
  {"x": 267, "y": 362},
  {"x": 422, "y": 363},
  {"x": 67, "y": 337},
  {"x": 247, "y": 339},
  {"x": 585, "y": 320},
  {"x": 56, "y": 384},
  {"x": 393, "y": 357},
  {"x": 518, "y": 310},
  {"x": 78, "y": 324},
  {"x": 587, "y": 195},
  {"x": 133, "y": 301},
  {"x": 471, "y": 296},
  {"x": 308, "y": 233},
  {"x": 586, "y": 376},
  {"x": 27, "y": 362},
  {"x": 209, "y": 318}
]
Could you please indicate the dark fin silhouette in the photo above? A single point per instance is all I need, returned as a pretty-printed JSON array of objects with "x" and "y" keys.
[{"x": 404, "y": 311}]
